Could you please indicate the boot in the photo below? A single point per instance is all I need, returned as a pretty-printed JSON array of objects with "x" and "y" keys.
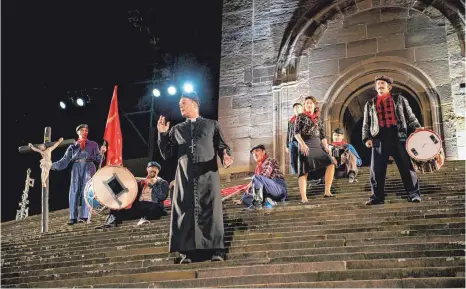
[{"x": 257, "y": 197}]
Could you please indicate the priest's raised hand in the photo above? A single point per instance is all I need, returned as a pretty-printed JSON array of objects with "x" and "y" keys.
[{"x": 163, "y": 125}]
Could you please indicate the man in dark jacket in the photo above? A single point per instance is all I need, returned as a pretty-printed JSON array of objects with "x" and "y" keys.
[
  {"x": 152, "y": 191},
  {"x": 385, "y": 130},
  {"x": 291, "y": 142}
]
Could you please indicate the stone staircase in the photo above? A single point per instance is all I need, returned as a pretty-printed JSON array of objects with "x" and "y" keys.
[{"x": 337, "y": 242}]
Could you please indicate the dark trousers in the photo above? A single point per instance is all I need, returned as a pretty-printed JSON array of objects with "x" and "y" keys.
[
  {"x": 294, "y": 153},
  {"x": 385, "y": 145},
  {"x": 139, "y": 209},
  {"x": 276, "y": 189}
]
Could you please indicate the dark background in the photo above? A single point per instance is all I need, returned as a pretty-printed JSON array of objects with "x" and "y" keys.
[{"x": 51, "y": 48}]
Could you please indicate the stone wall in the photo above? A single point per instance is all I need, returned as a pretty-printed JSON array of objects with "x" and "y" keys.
[{"x": 276, "y": 51}]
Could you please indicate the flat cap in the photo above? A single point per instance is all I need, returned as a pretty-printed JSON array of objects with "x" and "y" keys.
[
  {"x": 154, "y": 164},
  {"x": 260, "y": 146},
  {"x": 385, "y": 78},
  {"x": 81, "y": 126},
  {"x": 339, "y": 131}
]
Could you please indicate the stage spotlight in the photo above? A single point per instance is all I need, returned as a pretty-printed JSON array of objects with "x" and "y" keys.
[
  {"x": 172, "y": 90},
  {"x": 62, "y": 104},
  {"x": 156, "y": 92},
  {"x": 188, "y": 87},
  {"x": 80, "y": 101}
]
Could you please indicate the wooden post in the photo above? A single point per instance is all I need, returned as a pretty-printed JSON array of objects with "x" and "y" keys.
[{"x": 45, "y": 191}]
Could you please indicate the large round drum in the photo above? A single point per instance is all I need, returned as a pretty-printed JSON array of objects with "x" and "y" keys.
[
  {"x": 114, "y": 187},
  {"x": 89, "y": 197},
  {"x": 424, "y": 147}
]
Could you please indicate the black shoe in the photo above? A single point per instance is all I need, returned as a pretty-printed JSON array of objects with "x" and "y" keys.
[
  {"x": 185, "y": 259},
  {"x": 374, "y": 202},
  {"x": 415, "y": 199},
  {"x": 82, "y": 220},
  {"x": 217, "y": 258},
  {"x": 106, "y": 226},
  {"x": 352, "y": 178},
  {"x": 72, "y": 222},
  {"x": 320, "y": 181}
]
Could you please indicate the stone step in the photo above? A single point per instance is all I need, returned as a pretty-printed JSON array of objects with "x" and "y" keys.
[
  {"x": 335, "y": 275},
  {"x": 121, "y": 239},
  {"x": 435, "y": 282},
  {"x": 333, "y": 205},
  {"x": 283, "y": 227},
  {"x": 167, "y": 264},
  {"x": 258, "y": 269},
  {"x": 278, "y": 237}
]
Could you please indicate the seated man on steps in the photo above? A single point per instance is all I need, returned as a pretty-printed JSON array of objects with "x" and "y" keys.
[
  {"x": 267, "y": 185},
  {"x": 346, "y": 157},
  {"x": 152, "y": 192}
]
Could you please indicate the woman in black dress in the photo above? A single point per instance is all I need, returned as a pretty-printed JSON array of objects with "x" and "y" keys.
[{"x": 314, "y": 152}]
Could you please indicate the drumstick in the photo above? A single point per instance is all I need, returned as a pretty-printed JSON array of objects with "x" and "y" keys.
[
  {"x": 231, "y": 195},
  {"x": 101, "y": 157}
]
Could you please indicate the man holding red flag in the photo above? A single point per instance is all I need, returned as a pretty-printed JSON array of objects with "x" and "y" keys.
[{"x": 113, "y": 133}]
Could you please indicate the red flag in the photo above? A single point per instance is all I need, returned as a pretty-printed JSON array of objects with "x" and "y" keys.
[{"x": 113, "y": 133}]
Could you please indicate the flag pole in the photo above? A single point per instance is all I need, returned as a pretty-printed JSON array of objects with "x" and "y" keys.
[{"x": 102, "y": 154}]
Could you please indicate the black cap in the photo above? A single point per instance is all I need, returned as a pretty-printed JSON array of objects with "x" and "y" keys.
[
  {"x": 297, "y": 103},
  {"x": 385, "y": 78},
  {"x": 154, "y": 164},
  {"x": 81, "y": 126},
  {"x": 193, "y": 96},
  {"x": 262, "y": 147},
  {"x": 339, "y": 131}
]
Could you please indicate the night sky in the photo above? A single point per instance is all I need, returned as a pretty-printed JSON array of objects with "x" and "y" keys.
[{"x": 50, "y": 48}]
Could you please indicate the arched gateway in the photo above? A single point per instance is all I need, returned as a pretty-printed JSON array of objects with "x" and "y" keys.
[{"x": 275, "y": 54}]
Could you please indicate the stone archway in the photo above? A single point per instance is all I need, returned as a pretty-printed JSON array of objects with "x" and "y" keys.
[{"x": 359, "y": 77}]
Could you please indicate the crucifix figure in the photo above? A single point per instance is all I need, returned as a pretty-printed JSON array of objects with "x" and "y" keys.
[
  {"x": 45, "y": 190},
  {"x": 46, "y": 161}
]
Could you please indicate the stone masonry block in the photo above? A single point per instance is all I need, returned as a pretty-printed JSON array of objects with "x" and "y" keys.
[
  {"x": 420, "y": 22},
  {"x": 444, "y": 92},
  {"x": 352, "y": 33},
  {"x": 241, "y": 18},
  {"x": 320, "y": 85},
  {"x": 393, "y": 13},
  {"x": 366, "y": 17},
  {"x": 425, "y": 37},
  {"x": 391, "y": 42},
  {"x": 407, "y": 54},
  {"x": 438, "y": 70},
  {"x": 241, "y": 102},
  {"x": 431, "y": 52},
  {"x": 322, "y": 68},
  {"x": 346, "y": 62},
  {"x": 363, "y": 4},
  {"x": 328, "y": 52},
  {"x": 330, "y": 36},
  {"x": 230, "y": 6},
  {"x": 386, "y": 28},
  {"x": 361, "y": 47}
]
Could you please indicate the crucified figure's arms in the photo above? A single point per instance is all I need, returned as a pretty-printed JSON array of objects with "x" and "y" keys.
[
  {"x": 55, "y": 145},
  {"x": 34, "y": 148}
]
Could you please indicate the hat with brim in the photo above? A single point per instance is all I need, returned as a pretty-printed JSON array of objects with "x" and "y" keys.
[
  {"x": 385, "y": 78},
  {"x": 339, "y": 131},
  {"x": 262, "y": 147},
  {"x": 154, "y": 164},
  {"x": 81, "y": 126}
]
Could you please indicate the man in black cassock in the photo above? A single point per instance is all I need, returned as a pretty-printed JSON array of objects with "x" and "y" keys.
[{"x": 197, "y": 215}]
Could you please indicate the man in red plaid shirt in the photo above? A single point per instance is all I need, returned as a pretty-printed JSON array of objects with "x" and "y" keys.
[
  {"x": 267, "y": 185},
  {"x": 385, "y": 129}
]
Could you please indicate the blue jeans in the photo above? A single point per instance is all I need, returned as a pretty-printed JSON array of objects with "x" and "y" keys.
[{"x": 275, "y": 189}]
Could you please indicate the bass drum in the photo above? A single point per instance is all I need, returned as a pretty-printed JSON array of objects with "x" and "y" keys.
[
  {"x": 425, "y": 149},
  {"x": 115, "y": 187},
  {"x": 89, "y": 197}
]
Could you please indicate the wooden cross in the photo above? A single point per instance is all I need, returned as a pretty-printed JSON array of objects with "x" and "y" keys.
[{"x": 45, "y": 190}]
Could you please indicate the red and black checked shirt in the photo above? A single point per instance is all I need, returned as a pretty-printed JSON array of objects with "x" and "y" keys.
[
  {"x": 385, "y": 110},
  {"x": 268, "y": 168}
]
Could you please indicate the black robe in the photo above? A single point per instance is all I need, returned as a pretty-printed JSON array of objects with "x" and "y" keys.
[{"x": 197, "y": 215}]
